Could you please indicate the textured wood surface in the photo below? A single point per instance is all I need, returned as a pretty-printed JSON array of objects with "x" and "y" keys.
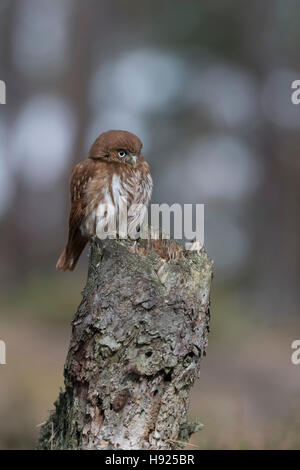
[{"x": 137, "y": 340}]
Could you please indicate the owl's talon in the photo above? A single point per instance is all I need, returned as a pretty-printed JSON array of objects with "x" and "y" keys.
[
  {"x": 112, "y": 235},
  {"x": 122, "y": 235}
]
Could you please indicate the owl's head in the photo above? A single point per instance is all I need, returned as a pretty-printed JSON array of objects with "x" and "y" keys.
[{"x": 120, "y": 146}]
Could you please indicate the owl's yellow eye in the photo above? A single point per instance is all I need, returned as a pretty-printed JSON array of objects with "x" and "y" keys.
[{"x": 122, "y": 153}]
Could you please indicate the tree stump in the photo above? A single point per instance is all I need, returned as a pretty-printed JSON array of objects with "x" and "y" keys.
[{"x": 137, "y": 340}]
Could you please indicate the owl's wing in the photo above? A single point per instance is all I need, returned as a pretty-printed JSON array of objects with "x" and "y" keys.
[
  {"x": 81, "y": 175},
  {"x": 147, "y": 184}
]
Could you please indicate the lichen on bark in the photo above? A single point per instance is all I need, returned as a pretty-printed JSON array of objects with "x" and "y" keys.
[{"x": 137, "y": 340}]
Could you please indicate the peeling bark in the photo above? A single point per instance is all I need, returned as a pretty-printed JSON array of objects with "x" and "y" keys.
[{"x": 137, "y": 340}]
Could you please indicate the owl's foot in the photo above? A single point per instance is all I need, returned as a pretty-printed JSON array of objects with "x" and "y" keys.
[
  {"x": 113, "y": 235},
  {"x": 123, "y": 236}
]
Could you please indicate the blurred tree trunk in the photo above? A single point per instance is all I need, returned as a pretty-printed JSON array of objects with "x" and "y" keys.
[{"x": 137, "y": 340}]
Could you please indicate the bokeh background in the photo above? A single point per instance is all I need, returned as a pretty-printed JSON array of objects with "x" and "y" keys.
[{"x": 207, "y": 87}]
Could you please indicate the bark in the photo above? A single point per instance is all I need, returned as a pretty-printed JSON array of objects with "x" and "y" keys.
[{"x": 137, "y": 340}]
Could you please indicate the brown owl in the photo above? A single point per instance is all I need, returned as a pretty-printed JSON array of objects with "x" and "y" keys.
[{"x": 113, "y": 180}]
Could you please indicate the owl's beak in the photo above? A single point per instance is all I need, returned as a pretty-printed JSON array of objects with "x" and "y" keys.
[{"x": 132, "y": 159}]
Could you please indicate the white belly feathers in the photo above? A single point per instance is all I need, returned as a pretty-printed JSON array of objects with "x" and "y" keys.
[{"x": 122, "y": 209}]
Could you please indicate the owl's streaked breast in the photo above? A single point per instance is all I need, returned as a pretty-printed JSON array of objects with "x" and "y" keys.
[{"x": 124, "y": 193}]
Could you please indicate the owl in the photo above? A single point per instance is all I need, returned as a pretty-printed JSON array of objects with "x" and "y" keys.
[{"x": 112, "y": 187}]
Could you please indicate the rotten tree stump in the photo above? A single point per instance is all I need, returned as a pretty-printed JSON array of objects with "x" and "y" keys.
[{"x": 137, "y": 340}]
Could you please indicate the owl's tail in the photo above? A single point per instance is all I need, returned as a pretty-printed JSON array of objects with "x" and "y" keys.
[{"x": 70, "y": 256}]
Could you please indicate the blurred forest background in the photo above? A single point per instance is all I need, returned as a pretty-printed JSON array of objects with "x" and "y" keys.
[{"x": 207, "y": 87}]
